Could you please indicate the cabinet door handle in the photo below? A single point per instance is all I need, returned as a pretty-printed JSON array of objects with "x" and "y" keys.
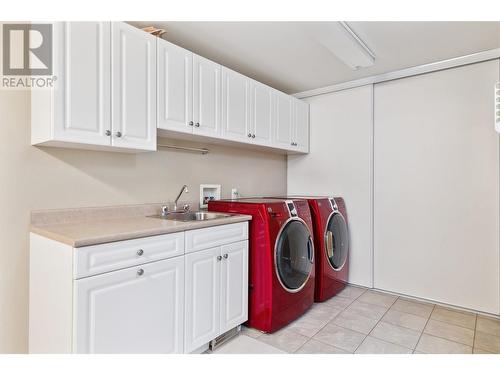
[
  {"x": 191, "y": 123},
  {"x": 219, "y": 258},
  {"x": 118, "y": 134},
  {"x": 140, "y": 252},
  {"x": 249, "y": 135},
  {"x": 107, "y": 132},
  {"x": 226, "y": 256},
  {"x": 197, "y": 125},
  {"x": 253, "y": 135},
  {"x": 140, "y": 272}
]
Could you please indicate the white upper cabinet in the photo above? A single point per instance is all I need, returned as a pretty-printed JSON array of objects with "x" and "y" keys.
[
  {"x": 134, "y": 87},
  {"x": 117, "y": 87},
  {"x": 175, "y": 87},
  {"x": 283, "y": 133},
  {"x": 261, "y": 113},
  {"x": 300, "y": 137},
  {"x": 80, "y": 110},
  {"x": 206, "y": 97},
  {"x": 105, "y": 93},
  {"x": 235, "y": 106},
  {"x": 134, "y": 310}
]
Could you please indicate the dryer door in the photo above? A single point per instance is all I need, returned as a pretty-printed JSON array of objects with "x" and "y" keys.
[
  {"x": 294, "y": 254},
  {"x": 337, "y": 241}
]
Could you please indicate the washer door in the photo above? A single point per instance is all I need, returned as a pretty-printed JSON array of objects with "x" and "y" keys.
[
  {"x": 337, "y": 241},
  {"x": 294, "y": 254}
]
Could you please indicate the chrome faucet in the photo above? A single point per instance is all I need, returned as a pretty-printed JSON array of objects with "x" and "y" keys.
[{"x": 183, "y": 190}]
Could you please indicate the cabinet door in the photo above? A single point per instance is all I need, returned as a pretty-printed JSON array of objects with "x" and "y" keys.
[
  {"x": 202, "y": 297},
  {"x": 235, "y": 106},
  {"x": 82, "y": 109},
  {"x": 301, "y": 125},
  {"x": 262, "y": 116},
  {"x": 206, "y": 97},
  {"x": 131, "y": 311},
  {"x": 175, "y": 87},
  {"x": 283, "y": 124},
  {"x": 134, "y": 87},
  {"x": 234, "y": 285}
]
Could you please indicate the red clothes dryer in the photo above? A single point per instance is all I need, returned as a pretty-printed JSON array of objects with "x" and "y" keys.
[
  {"x": 281, "y": 259},
  {"x": 331, "y": 243}
]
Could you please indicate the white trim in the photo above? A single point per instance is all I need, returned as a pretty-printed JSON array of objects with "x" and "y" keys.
[
  {"x": 408, "y": 72},
  {"x": 372, "y": 185}
]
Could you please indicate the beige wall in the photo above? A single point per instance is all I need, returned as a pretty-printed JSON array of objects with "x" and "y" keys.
[{"x": 41, "y": 178}]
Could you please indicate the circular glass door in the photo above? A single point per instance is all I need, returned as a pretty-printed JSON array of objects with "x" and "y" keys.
[
  {"x": 337, "y": 241},
  {"x": 294, "y": 255}
]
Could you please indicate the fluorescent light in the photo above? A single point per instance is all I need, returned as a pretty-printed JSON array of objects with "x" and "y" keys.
[{"x": 343, "y": 42}]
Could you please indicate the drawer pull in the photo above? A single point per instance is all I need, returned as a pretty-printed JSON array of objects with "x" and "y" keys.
[
  {"x": 140, "y": 272},
  {"x": 140, "y": 252}
]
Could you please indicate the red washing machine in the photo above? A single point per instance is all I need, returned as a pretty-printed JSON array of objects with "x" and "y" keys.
[
  {"x": 281, "y": 259},
  {"x": 331, "y": 243}
]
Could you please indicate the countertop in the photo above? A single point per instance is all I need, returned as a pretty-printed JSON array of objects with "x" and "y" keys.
[{"x": 86, "y": 233}]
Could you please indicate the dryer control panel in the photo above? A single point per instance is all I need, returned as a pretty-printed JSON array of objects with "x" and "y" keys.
[
  {"x": 333, "y": 204},
  {"x": 291, "y": 208}
]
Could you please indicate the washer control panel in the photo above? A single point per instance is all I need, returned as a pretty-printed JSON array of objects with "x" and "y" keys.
[
  {"x": 333, "y": 204},
  {"x": 291, "y": 208}
]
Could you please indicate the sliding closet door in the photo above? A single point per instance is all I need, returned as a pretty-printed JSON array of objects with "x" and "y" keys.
[
  {"x": 436, "y": 187},
  {"x": 340, "y": 164}
]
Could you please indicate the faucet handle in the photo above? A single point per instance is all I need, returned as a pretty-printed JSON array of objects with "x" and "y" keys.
[
  {"x": 164, "y": 210},
  {"x": 186, "y": 207}
]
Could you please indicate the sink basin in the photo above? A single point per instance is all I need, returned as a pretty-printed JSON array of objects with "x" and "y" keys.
[{"x": 192, "y": 216}]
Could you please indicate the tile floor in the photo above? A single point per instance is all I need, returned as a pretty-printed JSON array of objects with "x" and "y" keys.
[{"x": 370, "y": 322}]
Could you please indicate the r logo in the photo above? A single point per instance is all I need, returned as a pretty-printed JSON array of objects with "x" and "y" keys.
[{"x": 27, "y": 49}]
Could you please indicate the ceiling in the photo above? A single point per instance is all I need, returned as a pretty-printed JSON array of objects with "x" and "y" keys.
[{"x": 287, "y": 56}]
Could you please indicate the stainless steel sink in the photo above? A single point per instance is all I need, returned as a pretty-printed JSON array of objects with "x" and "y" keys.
[{"x": 191, "y": 216}]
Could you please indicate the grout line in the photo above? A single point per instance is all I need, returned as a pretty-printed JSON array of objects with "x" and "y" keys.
[
  {"x": 333, "y": 318},
  {"x": 327, "y": 321},
  {"x": 408, "y": 313},
  {"x": 378, "y": 321},
  {"x": 453, "y": 324},
  {"x": 474, "y": 336},
  {"x": 427, "y": 322},
  {"x": 444, "y": 338}
]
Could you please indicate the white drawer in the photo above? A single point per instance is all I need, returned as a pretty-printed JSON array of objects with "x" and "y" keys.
[
  {"x": 206, "y": 238},
  {"x": 92, "y": 260}
]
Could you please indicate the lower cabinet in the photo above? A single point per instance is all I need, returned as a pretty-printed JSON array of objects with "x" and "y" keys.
[
  {"x": 134, "y": 310},
  {"x": 234, "y": 285},
  {"x": 202, "y": 297},
  {"x": 216, "y": 292},
  {"x": 171, "y": 293}
]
